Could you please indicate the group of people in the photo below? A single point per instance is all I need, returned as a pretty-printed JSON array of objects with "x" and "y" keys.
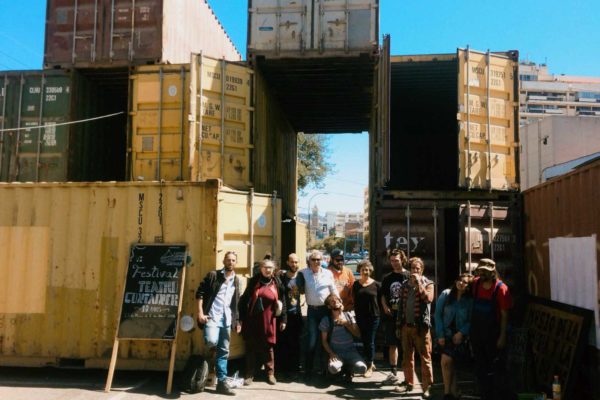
[{"x": 472, "y": 315}]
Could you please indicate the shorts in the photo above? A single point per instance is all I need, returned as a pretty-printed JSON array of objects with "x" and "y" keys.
[{"x": 389, "y": 326}]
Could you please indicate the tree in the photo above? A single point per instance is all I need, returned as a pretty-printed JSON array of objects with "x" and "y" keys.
[{"x": 313, "y": 151}]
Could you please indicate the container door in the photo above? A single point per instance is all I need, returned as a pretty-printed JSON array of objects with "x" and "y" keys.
[
  {"x": 346, "y": 25},
  {"x": 487, "y": 116},
  {"x": 133, "y": 30},
  {"x": 4, "y": 124},
  {"x": 72, "y": 31},
  {"x": 381, "y": 148},
  {"x": 283, "y": 25}
]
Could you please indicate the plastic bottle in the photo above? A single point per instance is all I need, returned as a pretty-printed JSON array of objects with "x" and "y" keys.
[{"x": 556, "y": 388}]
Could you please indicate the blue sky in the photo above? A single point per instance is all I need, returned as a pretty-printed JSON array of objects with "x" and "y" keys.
[{"x": 563, "y": 33}]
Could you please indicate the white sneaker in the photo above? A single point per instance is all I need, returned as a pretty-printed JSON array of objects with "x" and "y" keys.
[{"x": 391, "y": 379}]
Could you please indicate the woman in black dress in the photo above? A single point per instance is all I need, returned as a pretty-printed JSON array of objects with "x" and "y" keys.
[{"x": 367, "y": 292}]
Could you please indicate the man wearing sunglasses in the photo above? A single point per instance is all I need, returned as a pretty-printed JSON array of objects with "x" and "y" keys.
[{"x": 317, "y": 284}]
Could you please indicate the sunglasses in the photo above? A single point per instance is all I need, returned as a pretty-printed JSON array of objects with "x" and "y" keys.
[
  {"x": 315, "y": 259},
  {"x": 338, "y": 259}
]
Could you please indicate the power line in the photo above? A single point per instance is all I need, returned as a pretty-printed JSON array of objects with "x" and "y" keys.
[
  {"x": 80, "y": 121},
  {"x": 14, "y": 59}
]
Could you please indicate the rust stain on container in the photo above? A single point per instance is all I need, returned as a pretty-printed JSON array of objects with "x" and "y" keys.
[{"x": 66, "y": 270}]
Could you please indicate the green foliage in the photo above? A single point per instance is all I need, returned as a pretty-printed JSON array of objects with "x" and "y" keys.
[
  {"x": 313, "y": 151},
  {"x": 330, "y": 243}
]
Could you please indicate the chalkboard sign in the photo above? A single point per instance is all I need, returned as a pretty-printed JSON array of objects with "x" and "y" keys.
[{"x": 152, "y": 292}]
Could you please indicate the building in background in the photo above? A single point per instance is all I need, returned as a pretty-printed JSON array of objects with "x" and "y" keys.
[
  {"x": 344, "y": 217},
  {"x": 553, "y": 141},
  {"x": 330, "y": 217},
  {"x": 544, "y": 94},
  {"x": 366, "y": 211}
]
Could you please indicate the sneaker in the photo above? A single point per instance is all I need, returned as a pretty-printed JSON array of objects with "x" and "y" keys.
[
  {"x": 391, "y": 379},
  {"x": 211, "y": 381},
  {"x": 223, "y": 388},
  {"x": 426, "y": 394},
  {"x": 369, "y": 372},
  {"x": 271, "y": 380},
  {"x": 403, "y": 388},
  {"x": 248, "y": 381}
]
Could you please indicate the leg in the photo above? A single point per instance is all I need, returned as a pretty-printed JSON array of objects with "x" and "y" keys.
[
  {"x": 447, "y": 373},
  {"x": 269, "y": 360},
  {"x": 408, "y": 353},
  {"x": 423, "y": 345},
  {"x": 483, "y": 367},
  {"x": 222, "y": 353},
  {"x": 250, "y": 360}
]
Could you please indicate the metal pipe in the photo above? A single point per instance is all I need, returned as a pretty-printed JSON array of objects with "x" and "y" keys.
[
  {"x": 251, "y": 253},
  {"x": 347, "y": 38},
  {"x": 200, "y": 119},
  {"x": 435, "y": 248},
  {"x": 491, "y": 208},
  {"x": 95, "y": 34},
  {"x": 489, "y": 121},
  {"x": 74, "y": 31},
  {"x": 470, "y": 245},
  {"x": 182, "y": 122},
  {"x": 278, "y": 31},
  {"x": 112, "y": 29},
  {"x": 3, "y": 122},
  {"x": 160, "y": 107},
  {"x": 407, "y": 214},
  {"x": 132, "y": 30},
  {"x": 223, "y": 107},
  {"x": 39, "y": 130},
  {"x": 274, "y": 226},
  {"x": 468, "y": 109},
  {"x": 18, "y": 140}
]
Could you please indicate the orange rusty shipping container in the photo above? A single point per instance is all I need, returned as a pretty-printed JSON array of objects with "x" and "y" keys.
[
  {"x": 567, "y": 206},
  {"x": 65, "y": 248},
  {"x": 192, "y": 122},
  {"x": 108, "y": 33}
]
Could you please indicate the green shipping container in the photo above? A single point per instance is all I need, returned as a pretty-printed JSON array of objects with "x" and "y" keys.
[{"x": 41, "y": 139}]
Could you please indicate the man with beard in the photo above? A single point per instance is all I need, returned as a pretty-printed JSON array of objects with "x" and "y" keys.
[
  {"x": 390, "y": 296},
  {"x": 288, "y": 341},
  {"x": 338, "y": 330},
  {"x": 489, "y": 320},
  {"x": 217, "y": 299},
  {"x": 344, "y": 278}
]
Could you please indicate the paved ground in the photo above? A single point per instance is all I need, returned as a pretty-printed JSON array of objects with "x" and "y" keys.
[{"x": 60, "y": 384}]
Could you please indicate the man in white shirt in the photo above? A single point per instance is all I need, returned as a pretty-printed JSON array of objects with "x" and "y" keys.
[{"x": 316, "y": 283}]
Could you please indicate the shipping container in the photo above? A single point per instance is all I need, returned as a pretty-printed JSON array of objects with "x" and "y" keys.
[
  {"x": 65, "y": 249},
  {"x": 451, "y": 232},
  {"x": 454, "y": 122},
  {"x": 208, "y": 137},
  {"x": 321, "y": 28},
  {"x": 59, "y": 125},
  {"x": 109, "y": 33}
]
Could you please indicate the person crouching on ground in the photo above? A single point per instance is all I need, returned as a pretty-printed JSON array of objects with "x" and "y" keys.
[
  {"x": 258, "y": 311},
  {"x": 452, "y": 326},
  {"x": 413, "y": 323},
  {"x": 337, "y": 336}
]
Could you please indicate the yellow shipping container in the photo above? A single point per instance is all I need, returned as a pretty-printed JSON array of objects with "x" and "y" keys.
[
  {"x": 64, "y": 249},
  {"x": 178, "y": 116}
]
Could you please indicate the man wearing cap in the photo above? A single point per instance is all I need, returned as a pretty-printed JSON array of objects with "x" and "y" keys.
[
  {"x": 344, "y": 278},
  {"x": 489, "y": 319},
  {"x": 316, "y": 283}
]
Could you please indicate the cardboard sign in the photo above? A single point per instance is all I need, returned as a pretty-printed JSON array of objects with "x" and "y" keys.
[{"x": 152, "y": 292}]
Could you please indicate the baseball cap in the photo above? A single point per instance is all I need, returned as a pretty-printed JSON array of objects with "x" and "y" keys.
[{"x": 486, "y": 264}]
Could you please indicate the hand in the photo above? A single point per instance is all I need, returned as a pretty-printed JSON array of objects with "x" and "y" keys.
[
  {"x": 414, "y": 280},
  {"x": 333, "y": 357},
  {"x": 457, "y": 338},
  {"x": 202, "y": 319},
  {"x": 442, "y": 342},
  {"x": 387, "y": 310},
  {"x": 341, "y": 322},
  {"x": 282, "y": 326},
  {"x": 501, "y": 343},
  {"x": 238, "y": 328}
]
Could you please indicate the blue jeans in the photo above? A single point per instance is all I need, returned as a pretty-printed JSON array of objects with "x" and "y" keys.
[
  {"x": 313, "y": 319},
  {"x": 218, "y": 337},
  {"x": 368, "y": 331}
]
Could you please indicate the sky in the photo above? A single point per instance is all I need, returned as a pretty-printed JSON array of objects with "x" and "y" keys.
[{"x": 565, "y": 34}]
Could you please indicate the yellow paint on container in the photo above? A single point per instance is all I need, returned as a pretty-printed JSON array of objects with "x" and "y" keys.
[
  {"x": 178, "y": 116},
  {"x": 65, "y": 248}
]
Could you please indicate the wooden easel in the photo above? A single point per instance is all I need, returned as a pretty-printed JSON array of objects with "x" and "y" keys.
[{"x": 115, "y": 351}]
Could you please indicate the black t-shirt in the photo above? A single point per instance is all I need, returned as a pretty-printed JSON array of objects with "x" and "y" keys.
[
  {"x": 390, "y": 287},
  {"x": 366, "y": 299},
  {"x": 292, "y": 294}
]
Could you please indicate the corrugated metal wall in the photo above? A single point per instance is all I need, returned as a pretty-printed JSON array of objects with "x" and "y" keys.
[
  {"x": 64, "y": 254},
  {"x": 566, "y": 206}
]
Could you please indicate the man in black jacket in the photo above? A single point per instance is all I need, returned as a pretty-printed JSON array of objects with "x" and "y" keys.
[{"x": 218, "y": 297}]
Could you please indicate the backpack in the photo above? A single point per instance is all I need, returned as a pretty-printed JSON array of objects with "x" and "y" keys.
[{"x": 194, "y": 375}]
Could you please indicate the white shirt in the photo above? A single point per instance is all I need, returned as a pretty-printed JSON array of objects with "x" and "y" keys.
[
  {"x": 220, "y": 311},
  {"x": 318, "y": 286}
]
